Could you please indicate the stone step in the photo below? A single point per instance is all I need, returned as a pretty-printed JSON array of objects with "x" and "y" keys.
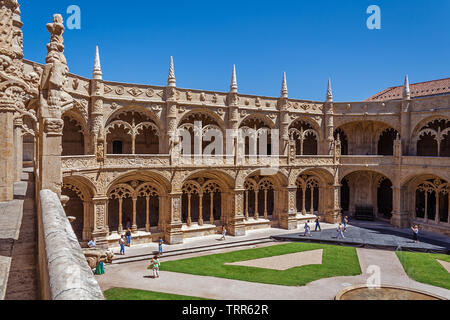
[{"x": 180, "y": 252}]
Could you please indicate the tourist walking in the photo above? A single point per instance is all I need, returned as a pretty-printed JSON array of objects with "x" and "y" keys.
[
  {"x": 340, "y": 231},
  {"x": 415, "y": 230},
  {"x": 224, "y": 233},
  {"x": 345, "y": 222},
  {"x": 318, "y": 225},
  {"x": 128, "y": 234},
  {"x": 307, "y": 230},
  {"x": 122, "y": 245},
  {"x": 160, "y": 246},
  {"x": 155, "y": 263}
]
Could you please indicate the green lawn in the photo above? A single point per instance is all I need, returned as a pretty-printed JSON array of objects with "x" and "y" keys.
[
  {"x": 424, "y": 267},
  {"x": 135, "y": 295},
  {"x": 337, "y": 261}
]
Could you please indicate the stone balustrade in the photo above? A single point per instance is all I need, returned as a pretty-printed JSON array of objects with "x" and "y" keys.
[{"x": 63, "y": 269}]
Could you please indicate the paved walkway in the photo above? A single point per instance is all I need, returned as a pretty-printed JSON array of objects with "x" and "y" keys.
[
  {"x": 18, "y": 247},
  {"x": 135, "y": 275},
  {"x": 378, "y": 235},
  {"x": 192, "y": 243}
]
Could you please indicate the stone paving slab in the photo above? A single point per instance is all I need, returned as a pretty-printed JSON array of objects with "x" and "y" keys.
[
  {"x": 5, "y": 263},
  {"x": 10, "y": 219},
  {"x": 376, "y": 235},
  {"x": 445, "y": 264}
]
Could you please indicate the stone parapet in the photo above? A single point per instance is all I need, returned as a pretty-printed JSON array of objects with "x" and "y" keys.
[{"x": 69, "y": 276}]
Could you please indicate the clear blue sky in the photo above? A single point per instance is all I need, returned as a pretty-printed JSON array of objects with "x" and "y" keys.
[{"x": 310, "y": 40}]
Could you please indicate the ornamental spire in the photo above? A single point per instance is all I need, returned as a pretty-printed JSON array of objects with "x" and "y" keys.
[
  {"x": 329, "y": 91},
  {"x": 97, "y": 71},
  {"x": 172, "y": 82},
  {"x": 234, "y": 85},
  {"x": 406, "y": 89},
  {"x": 284, "y": 89}
]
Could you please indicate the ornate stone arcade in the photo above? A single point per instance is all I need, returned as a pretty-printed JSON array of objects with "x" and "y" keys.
[{"x": 113, "y": 149}]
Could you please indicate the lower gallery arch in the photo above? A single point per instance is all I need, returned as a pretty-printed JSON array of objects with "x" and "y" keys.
[
  {"x": 136, "y": 204},
  {"x": 79, "y": 206},
  {"x": 367, "y": 193},
  {"x": 427, "y": 200},
  {"x": 202, "y": 201},
  {"x": 259, "y": 197}
]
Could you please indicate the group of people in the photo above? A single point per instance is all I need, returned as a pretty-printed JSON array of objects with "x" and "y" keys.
[
  {"x": 125, "y": 240},
  {"x": 341, "y": 228}
]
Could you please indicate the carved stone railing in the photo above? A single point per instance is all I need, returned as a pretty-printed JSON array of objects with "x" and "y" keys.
[
  {"x": 426, "y": 161},
  {"x": 63, "y": 270},
  {"x": 132, "y": 161},
  {"x": 71, "y": 163},
  {"x": 366, "y": 160},
  {"x": 320, "y": 160}
]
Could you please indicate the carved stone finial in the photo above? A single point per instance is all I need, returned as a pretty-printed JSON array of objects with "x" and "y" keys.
[
  {"x": 172, "y": 82},
  {"x": 56, "y": 46},
  {"x": 284, "y": 89},
  {"x": 329, "y": 92},
  {"x": 97, "y": 71},
  {"x": 234, "y": 85},
  {"x": 406, "y": 89}
]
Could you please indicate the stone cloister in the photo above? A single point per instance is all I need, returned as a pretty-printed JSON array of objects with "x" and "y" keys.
[{"x": 115, "y": 152}]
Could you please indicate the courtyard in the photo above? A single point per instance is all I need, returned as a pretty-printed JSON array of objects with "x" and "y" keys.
[{"x": 270, "y": 270}]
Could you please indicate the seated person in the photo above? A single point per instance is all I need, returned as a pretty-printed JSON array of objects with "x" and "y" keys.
[{"x": 92, "y": 243}]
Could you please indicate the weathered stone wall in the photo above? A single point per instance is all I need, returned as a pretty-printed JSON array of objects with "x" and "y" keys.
[{"x": 63, "y": 263}]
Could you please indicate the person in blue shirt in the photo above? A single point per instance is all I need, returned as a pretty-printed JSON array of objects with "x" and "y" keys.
[
  {"x": 318, "y": 224},
  {"x": 92, "y": 244},
  {"x": 160, "y": 246}
]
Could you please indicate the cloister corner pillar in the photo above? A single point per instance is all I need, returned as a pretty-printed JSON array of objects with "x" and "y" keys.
[
  {"x": 399, "y": 219},
  {"x": 7, "y": 165},
  {"x": 288, "y": 218},
  {"x": 173, "y": 233},
  {"x": 236, "y": 225},
  {"x": 100, "y": 230},
  {"x": 335, "y": 214},
  {"x": 53, "y": 102}
]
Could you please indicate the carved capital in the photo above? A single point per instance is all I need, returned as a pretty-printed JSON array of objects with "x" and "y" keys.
[{"x": 53, "y": 127}]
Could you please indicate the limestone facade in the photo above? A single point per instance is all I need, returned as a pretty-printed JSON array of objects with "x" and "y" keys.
[{"x": 114, "y": 150}]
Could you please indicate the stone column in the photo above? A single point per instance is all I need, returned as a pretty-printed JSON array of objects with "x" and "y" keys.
[
  {"x": 147, "y": 214},
  {"x": 265, "y": 204},
  {"x": 86, "y": 224},
  {"x": 200, "y": 210},
  {"x": 246, "y": 205},
  {"x": 288, "y": 220},
  {"x": 236, "y": 226},
  {"x": 134, "y": 226},
  {"x": 304, "y": 201},
  {"x": 437, "y": 218},
  {"x": 18, "y": 142},
  {"x": 174, "y": 234},
  {"x": 189, "y": 219},
  {"x": 211, "y": 214},
  {"x": 256, "y": 205},
  {"x": 120, "y": 216},
  {"x": 7, "y": 165},
  {"x": 100, "y": 230}
]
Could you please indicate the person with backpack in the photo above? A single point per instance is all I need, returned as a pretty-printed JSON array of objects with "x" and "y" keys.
[
  {"x": 128, "y": 235},
  {"x": 155, "y": 264}
]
